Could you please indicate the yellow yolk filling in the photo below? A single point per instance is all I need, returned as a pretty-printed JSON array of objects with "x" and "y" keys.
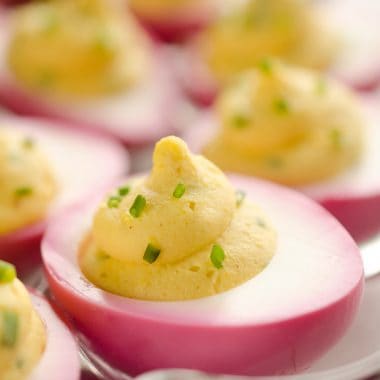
[
  {"x": 290, "y": 29},
  {"x": 186, "y": 227},
  {"x": 26, "y": 182},
  {"x": 77, "y": 48},
  {"x": 22, "y": 333},
  {"x": 286, "y": 124}
]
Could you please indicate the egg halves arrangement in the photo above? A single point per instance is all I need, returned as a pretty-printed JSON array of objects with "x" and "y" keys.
[{"x": 234, "y": 250}]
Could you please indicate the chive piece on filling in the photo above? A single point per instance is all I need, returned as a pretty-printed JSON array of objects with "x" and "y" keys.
[
  {"x": 28, "y": 143},
  {"x": 217, "y": 256},
  {"x": 7, "y": 272},
  {"x": 23, "y": 191},
  {"x": 151, "y": 254},
  {"x": 137, "y": 206},
  {"x": 240, "y": 121},
  {"x": 281, "y": 106},
  {"x": 240, "y": 195},
  {"x": 265, "y": 66},
  {"x": 113, "y": 202},
  {"x": 336, "y": 138},
  {"x": 124, "y": 190},
  {"x": 179, "y": 190},
  {"x": 10, "y": 323}
]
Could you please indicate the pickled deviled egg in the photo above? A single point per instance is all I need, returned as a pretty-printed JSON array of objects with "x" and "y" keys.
[
  {"x": 31, "y": 336},
  {"x": 298, "y": 128},
  {"x": 323, "y": 36},
  {"x": 27, "y": 181},
  {"x": 88, "y": 64},
  {"x": 196, "y": 270},
  {"x": 174, "y": 20},
  {"x": 44, "y": 168},
  {"x": 290, "y": 29}
]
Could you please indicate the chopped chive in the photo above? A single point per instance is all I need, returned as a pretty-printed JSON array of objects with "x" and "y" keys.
[
  {"x": 240, "y": 195},
  {"x": 261, "y": 223},
  {"x": 281, "y": 106},
  {"x": 179, "y": 190},
  {"x": 7, "y": 272},
  {"x": 50, "y": 23},
  {"x": 20, "y": 363},
  {"x": 10, "y": 329},
  {"x": 265, "y": 66},
  {"x": 45, "y": 79},
  {"x": 240, "y": 121},
  {"x": 217, "y": 256},
  {"x": 274, "y": 162},
  {"x": 28, "y": 142},
  {"x": 101, "y": 256},
  {"x": 137, "y": 206},
  {"x": 102, "y": 42},
  {"x": 321, "y": 86},
  {"x": 113, "y": 201},
  {"x": 23, "y": 191},
  {"x": 124, "y": 190},
  {"x": 151, "y": 254},
  {"x": 336, "y": 138}
]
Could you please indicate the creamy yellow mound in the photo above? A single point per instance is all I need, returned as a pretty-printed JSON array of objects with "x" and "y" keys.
[
  {"x": 290, "y": 29},
  {"x": 286, "y": 124},
  {"x": 180, "y": 233},
  {"x": 77, "y": 48},
  {"x": 22, "y": 333},
  {"x": 27, "y": 184}
]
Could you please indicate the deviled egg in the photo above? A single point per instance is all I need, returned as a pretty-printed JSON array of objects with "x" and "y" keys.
[
  {"x": 187, "y": 268},
  {"x": 34, "y": 343},
  {"x": 298, "y": 128},
  {"x": 88, "y": 64},
  {"x": 331, "y": 36},
  {"x": 44, "y": 168}
]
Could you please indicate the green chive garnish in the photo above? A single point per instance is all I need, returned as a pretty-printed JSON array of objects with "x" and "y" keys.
[
  {"x": 240, "y": 195},
  {"x": 138, "y": 206},
  {"x": 102, "y": 42},
  {"x": 45, "y": 79},
  {"x": 336, "y": 138},
  {"x": 261, "y": 223},
  {"x": 28, "y": 143},
  {"x": 320, "y": 86},
  {"x": 23, "y": 191},
  {"x": 265, "y": 66},
  {"x": 240, "y": 121},
  {"x": 151, "y": 254},
  {"x": 274, "y": 162},
  {"x": 281, "y": 106},
  {"x": 10, "y": 328},
  {"x": 7, "y": 272},
  {"x": 217, "y": 256},
  {"x": 124, "y": 190},
  {"x": 179, "y": 190},
  {"x": 113, "y": 202},
  {"x": 51, "y": 23}
]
